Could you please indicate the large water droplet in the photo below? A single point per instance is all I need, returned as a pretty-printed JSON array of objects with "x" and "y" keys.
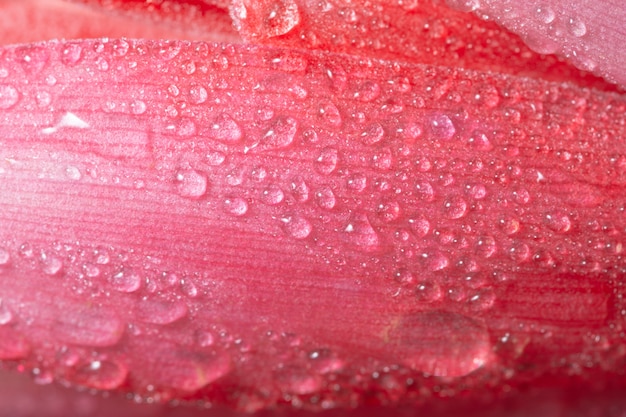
[
  {"x": 297, "y": 227},
  {"x": 420, "y": 226},
  {"x": 455, "y": 207},
  {"x": 327, "y": 160},
  {"x": 100, "y": 374},
  {"x": 191, "y": 183},
  {"x": 160, "y": 311},
  {"x": 225, "y": 129},
  {"x": 330, "y": 114},
  {"x": 425, "y": 191},
  {"x": 88, "y": 326},
  {"x": 440, "y": 343},
  {"x": 519, "y": 252},
  {"x": 428, "y": 291},
  {"x": 300, "y": 189},
  {"x": 435, "y": 260},
  {"x": 367, "y": 91},
  {"x": 480, "y": 141},
  {"x": 281, "y": 134},
  {"x": 325, "y": 198},
  {"x": 388, "y": 211},
  {"x": 51, "y": 263},
  {"x": 272, "y": 195},
  {"x": 441, "y": 127},
  {"x": 357, "y": 182},
  {"x": 361, "y": 233},
  {"x": 486, "y": 246},
  {"x": 71, "y": 54},
  {"x": 482, "y": 300},
  {"x": 236, "y": 206},
  {"x": 558, "y": 221},
  {"x": 198, "y": 94},
  {"x": 545, "y": 13},
  {"x": 373, "y": 134},
  {"x": 125, "y": 280},
  {"x": 576, "y": 27},
  {"x": 279, "y": 17},
  {"x": 8, "y": 96}
]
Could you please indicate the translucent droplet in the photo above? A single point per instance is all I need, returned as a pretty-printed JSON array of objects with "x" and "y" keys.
[
  {"x": 327, "y": 160},
  {"x": 435, "y": 260},
  {"x": 297, "y": 227},
  {"x": 160, "y": 311},
  {"x": 420, "y": 226},
  {"x": 198, "y": 94},
  {"x": 205, "y": 338},
  {"x": 403, "y": 276},
  {"x": 361, "y": 234},
  {"x": 73, "y": 173},
  {"x": 281, "y": 134},
  {"x": 12, "y": 344},
  {"x": 300, "y": 189},
  {"x": 480, "y": 141},
  {"x": 441, "y": 127},
  {"x": 125, "y": 280},
  {"x": 51, "y": 264},
  {"x": 279, "y": 18},
  {"x": 519, "y": 252},
  {"x": 87, "y": 326},
  {"x": 388, "y": 211},
  {"x": 357, "y": 182},
  {"x": 71, "y": 54},
  {"x": 168, "y": 50},
  {"x": 272, "y": 195},
  {"x": 191, "y": 183},
  {"x": 325, "y": 198},
  {"x": 236, "y": 206},
  {"x": 482, "y": 300},
  {"x": 100, "y": 374},
  {"x": 225, "y": 129},
  {"x": 5, "y": 257},
  {"x": 120, "y": 47},
  {"x": 298, "y": 381},
  {"x": 373, "y": 134},
  {"x": 576, "y": 27},
  {"x": 558, "y": 221},
  {"x": 521, "y": 196},
  {"x": 137, "y": 107},
  {"x": 188, "y": 288},
  {"x": 545, "y": 13},
  {"x": 464, "y": 5},
  {"x": 330, "y": 114},
  {"x": 368, "y": 91},
  {"x": 486, "y": 95},
  {"x": 215, "y": 158},
  {"x": 455, "y": 207},
  {"x": 425, "y": 191},
  {"x": 102, "y": 64},
  {"x": 5, "y": 314},
  {"x": 428, "y": 291},
  {"x": 486, "y": 246},
  {"x": 510, "y": 226},
  {"x": 8, "y": 97},
  {"x": 383, "y": 159},
  {"x": 43, "y": 98}
]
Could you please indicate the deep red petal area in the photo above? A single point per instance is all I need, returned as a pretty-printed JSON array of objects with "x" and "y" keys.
[{"x": 253, "y": 226}]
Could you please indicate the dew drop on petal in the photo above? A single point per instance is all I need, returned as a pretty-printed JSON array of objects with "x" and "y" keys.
[
  {"x": 160, "y": 311},
  {"x": 272, "y": 195},
  {"x": 9, "y": 96},
  {"x": 99, "y": 374},
  {"x": 327, "y": 160},
  {"x": 125, "y": 280},
  {"x": 297, "y": 227},
  {"x": 361, "y": 234},
  {"x": 191, "y": 183},
  {"x": 236, "y": 206},
  {"x": 225, "y": 129}
]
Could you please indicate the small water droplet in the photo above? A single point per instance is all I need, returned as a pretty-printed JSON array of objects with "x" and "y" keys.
[
  {"x": 325, "y": 198},
  {"x": 276, "y": 18},
  {"x": 455, "y": 207},
  {"x": 373, "y": 134},
  {"x": 102, "y": 256},
  {"x": 300, "y": 189},
  {"x": 357, "y": 182},
  {"x": 100, "y": 374},
  {"x": 51, "y": 263},
  {"x": 215, "y": 158},
  {"x": 480, "y": 141},
  {"x": 435, "y": 260},
  {"x": 188, "y": 288},
  {"x": 73, "y": 173},
  {"x": 519, "y": 252},
  {"x": 198, "y": 94},
  {"x": 330, "y": 114},
  {"x": 558, "y": 221},
  {"x": 482, "y": 300},
  {"x": 91, "y": 270},
  {"x": 420, "y": 226},
  {"x": 521, "y": 196},
  {"x": 368, "y": 91},
  {"x": 71, "y": 54},
  {"x": 428, "y": 291},
  {"x": 168, "y": 50},
  {"x": 510, "y": 226},
  {"x": 43, "y": 98},
  {"x": 185, "y": 127},
  {"x": 205, "y": 338},
  {"x": 361, "y": 233},
  {"x": 236, "y": 206},
  {"x": 5, "y": 257},
  {"x": 280, "y": 135},
  {"x": 191, "y": 183},
  {"x": 441, "y": 127},
  {"x": 297, "y": 227},
  {"x": 327, "y": 160},
  {"x": 225, "y": 129},
  {"x": 425, "y": 191},
  {"x": 102, "y": 64},
  {"x": 87, "y": 325},
  {"x": 486, "y": 246},
  {"x": 388, "y": 211},
  {"x": 545, "y": 13},
  {"x": 6, "y": 316},
  {"x": 8, "y": 96},
  {"x": 272, "y": 195},
  {"x": 576, "y": 27},
  {"x": 125, "y": 280},
  {"x": 137, "y": 107},
  {"x": 298, "y": 381},
  {"x": 160, "y": 311},
  {"x": 383, "y": 159},
  {"x": 403, "y": 276}
]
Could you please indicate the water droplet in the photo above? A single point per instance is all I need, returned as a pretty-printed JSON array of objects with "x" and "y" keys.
[
  {"x": 455, "y": 207},
  {"x": 102, "y": 256},
  {"x": 8, "y": 96},
  {"x": 576, "y": 27},
  {"x": 185, "y": 127},
  {"x": 215, "y": 158},
  {"x": 300, "y": 189},
  {"x": 272, "y": 195},
  {"x": 102, "y": 64},
  {"x": 357, "y": 182},
  {"x": 403, "y": 276},
  {"x": 297, "y": 227},
  {"x": 388, "y": 211},
  {"x": 428, "y": 291},
  {"x": 545, "y": 13},
  {"x": 519, "y": 252},
  {"x": 521, "y": 196},
  {"x": 290, "y": 61},
  {"x": 325, "y": 198},
  {"x": 424, "y": 190},
  {"x": 137, "y": 107},
  {"x": 5, "y": 314},
  {"x": 191, "y": 183},
  {"x": 188, "y": 288},
  {"x": 464, "y": 5},
  {"x": 281, "y": 134},
  {"x": 298, "y": 381},
  {"x": 480, "y": 141},
  {"x": 420, "y": 226},
  {"x": 73, "y": 173},
  {"x": 100, "y": 374},
  {"x": 278, "y": 17},
  {"x": 168, "y": 50},
  {"x": 71, "y": 54},
  {"x": 361, "y": 233},
  {"x": 482, "y": 300},
  {"x": 324, "y": 361},
  {"x": 368, "y": 91},
  {"x": 510, "y": 226},
  {"x": 486, "y": 95},
  {"x": 43, "y": 98},
  {"x": 32, "y": 58},
  {"x": 125, "y": 280},
  {"x": 91, "y": 270},
  {"x": 330, "y": 114},
  {"x": 383, "y": 159},
  {"x": 486, "y": 246},
  {"x": 440, "y": 343},
  {"x": 5, "y": 257},
  {"x": 441, "y": 127},
  {"x": 435, "y": 260},
  {"x": 88, "y": 326},
  {"x": 373, "y": 134},
  {"x": 198, "y": 94},
  {"x": 236, "y": 206},
  {"x": 327, "y": 160},
  {"x": 225, "y": 129},
  {"x": 205, "y": 338},
  {"x": 160, "y": 311},
  {"x": 558, "y": 221},
  {"x": 51, "y": 263}
]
